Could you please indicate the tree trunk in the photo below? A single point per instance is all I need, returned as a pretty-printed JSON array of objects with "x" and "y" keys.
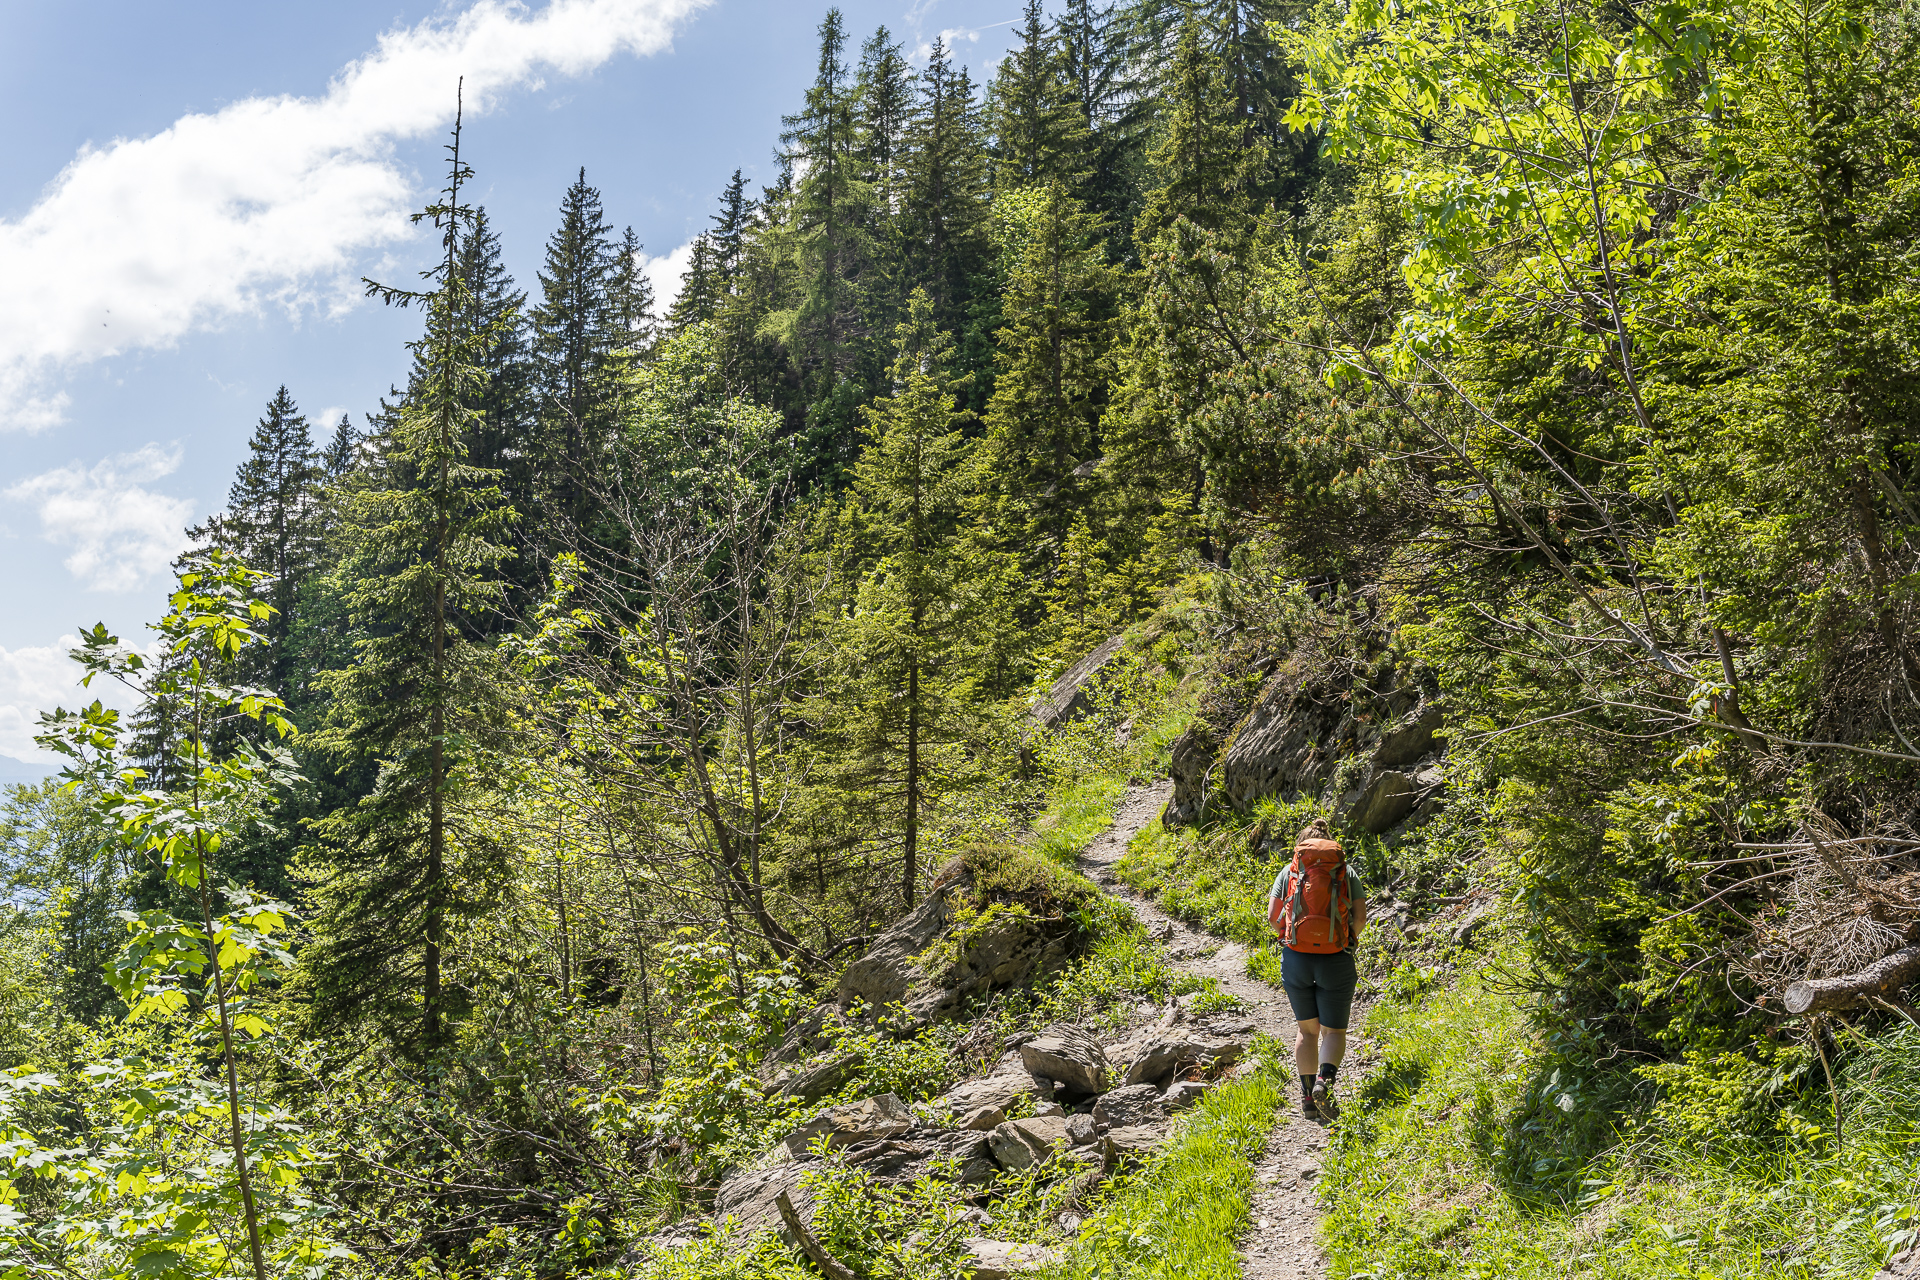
[{"x": 1883, "y": 978}]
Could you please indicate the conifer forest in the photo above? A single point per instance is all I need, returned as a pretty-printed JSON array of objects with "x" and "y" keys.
[{"x": 785, "y": 781}]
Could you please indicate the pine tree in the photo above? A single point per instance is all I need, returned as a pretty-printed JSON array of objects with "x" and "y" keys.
[
  {"x": 420, "y": 564},
  {"x": 730, "y": 227},
  {"x": 503, "y": 435},
  {"x": 885, "y": 91},
  {"x": 1040, "y": 131},
  {"x": 1094, "y": 47},
  {"x": 342, "y": 453},
  {"x": 899, "y": 714},
  {"x": 573, "y": 336},
  {"x": 700, "y": 293}
]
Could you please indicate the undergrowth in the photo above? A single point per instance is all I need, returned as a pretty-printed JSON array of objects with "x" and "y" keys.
[{"x": 1477, "y": 1147}]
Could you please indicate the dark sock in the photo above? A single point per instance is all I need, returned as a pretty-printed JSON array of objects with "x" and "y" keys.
[
  {"x": 1328, "y": 1070},
  {"x": 1306, "y": 1084}
]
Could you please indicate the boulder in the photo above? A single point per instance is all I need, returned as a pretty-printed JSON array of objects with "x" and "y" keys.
[
  {"x": 1129, "y": 1143},
  {"x": 1189, "y": 765},
  {"x": 999, "y": 1092},
  {"x": 1082, "y": 1130},
  {"x": 1182, "y": 1094},
  {"x": 748, "y": 1198},
  {"x": 1412, "y": 738},
  {"x": 815, "y": 1080},
  {"x": 1069, "y": 697},
  {"x": 1020, "y": 1144},
  {"x": 1069, "y": 1055},
  {"x": 853, "y": 1123},
  {"x": 1382, "y": 803},
  {"x": 1129, "y": 1106},
  {"x": 999, "y": 1260},
  {"x": 982, "y": 1119}
]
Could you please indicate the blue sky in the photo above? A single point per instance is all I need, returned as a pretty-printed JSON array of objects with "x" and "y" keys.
[{"x": 188, "y": 193}]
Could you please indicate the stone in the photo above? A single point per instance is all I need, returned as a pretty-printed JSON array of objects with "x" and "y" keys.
[
  {"x": 1069, "y": 1055},
  {"x": 816, "y": 1080},
  {"x": 1129, "y": 1143},
  {"x": 851, "y": 1123},
  {"x": 1069, "y": 697},
  {"x": 1410, "y": 739},
  {"x": 1190, "y": 761},
  {"x": 1471, "y": 923},
  {"x": 998, "y": 1091},
  {"x": 1021, "y": 1144},
  {"x": 1382, "y": 803},
  {"x": 1082, "y": 1130},
  {"x": 1001, "y": 1260},
  {"x": 982, "y": 1118},
  {"x": 1129, "y": 1105},
  {"x": 1050, "y": 1109},
  {"x": 1156, "y": 1062},
  {"x": 1182, "y": 1094},
  {"x": 748, "y": 1198}
]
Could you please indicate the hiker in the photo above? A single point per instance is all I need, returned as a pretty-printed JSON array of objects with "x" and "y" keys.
[{"x": 1318, "y": 908}]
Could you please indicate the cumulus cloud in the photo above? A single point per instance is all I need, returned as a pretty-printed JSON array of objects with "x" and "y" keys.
[
  {"x": 120, "y": 533},
  {"x": 267, "y": 202},
  {"x": 667, "y": 272},
  {"x": 32, "y": 680}
]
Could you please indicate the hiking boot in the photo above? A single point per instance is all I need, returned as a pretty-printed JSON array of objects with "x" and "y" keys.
[
  {"x": 1307, "y": 1108},
  {"x": 1322, "y": 1104}
]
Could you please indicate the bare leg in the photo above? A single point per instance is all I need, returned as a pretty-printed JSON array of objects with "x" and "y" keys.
[{"x": 1306, "y": 1045}]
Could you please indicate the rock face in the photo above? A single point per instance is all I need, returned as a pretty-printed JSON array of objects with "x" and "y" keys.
[
  {"x": 1069, "y": 697},
  {"x": 748, "y": 1198},
  {"x": 853, "y": 1123},
  {"x": 1369, "y": 750},
  {"x": 1069, "y": 1055}
]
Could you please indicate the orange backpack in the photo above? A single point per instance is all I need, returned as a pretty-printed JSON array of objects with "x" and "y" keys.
[{"x": 1316, "y": 914}]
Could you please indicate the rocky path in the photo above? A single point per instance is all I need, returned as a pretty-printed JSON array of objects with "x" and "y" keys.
[{"x": 1279, "y": 1243}]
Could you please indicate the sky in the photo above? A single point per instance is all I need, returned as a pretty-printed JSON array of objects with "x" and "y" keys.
[{"x": 189, "y": 195}]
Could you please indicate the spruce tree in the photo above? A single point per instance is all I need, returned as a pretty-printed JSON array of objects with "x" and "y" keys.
[
  {"x": 699, "y": 297},
  {"x": 421, "y": 555},
  {"x": 573, "y": 336},
  {"x": 730, "y": 227},
  {"x": 885, "y": 91},
  {"x": 1204, "y": 160},
  {"x": 504, "y": 434},
  {"x": 945, "y": 218},
  {"x": 342, "y": 453},
  {"x": 900, "y": 712},
  {"x": 1039, "y": 130},
  {"x": 630, "y": 301},
  {"x": 1053, "y": 360},
  {"x": 829, "y": 231},
  {"x": 273, "y": 524}
]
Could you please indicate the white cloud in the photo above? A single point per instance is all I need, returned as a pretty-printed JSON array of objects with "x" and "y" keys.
[
  {"x": 268, "y": 201},
  {"x": 121, "y": 534},
  {"x": 667, "y": 272},
  {"x": 33, "y": 680}
]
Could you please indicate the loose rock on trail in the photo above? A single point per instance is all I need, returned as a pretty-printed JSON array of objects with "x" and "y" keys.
[{"x": 1279, "y": 1239}]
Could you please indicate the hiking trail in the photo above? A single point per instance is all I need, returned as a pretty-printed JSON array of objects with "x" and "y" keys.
[{"x": 1278, "y": 1243}]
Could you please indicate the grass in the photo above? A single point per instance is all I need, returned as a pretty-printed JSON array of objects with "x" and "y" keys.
[
  {"x": 1178, "y": 1216},
  {"x": 1469, "y": 1150}
]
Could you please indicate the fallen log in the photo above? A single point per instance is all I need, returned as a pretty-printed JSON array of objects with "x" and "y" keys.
[
  {"x": 1883, "y": 978},
  {"x": 830, "y": 1266}
]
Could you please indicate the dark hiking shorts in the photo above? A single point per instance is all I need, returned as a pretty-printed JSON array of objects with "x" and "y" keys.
[{"x": 1319, "y": 987}]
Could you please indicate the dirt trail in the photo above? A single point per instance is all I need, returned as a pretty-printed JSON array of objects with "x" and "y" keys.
[{"x": 1279, "y": 1243}]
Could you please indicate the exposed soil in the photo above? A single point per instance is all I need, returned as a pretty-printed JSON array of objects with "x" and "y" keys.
[{"x": 1279, "y": 1241}]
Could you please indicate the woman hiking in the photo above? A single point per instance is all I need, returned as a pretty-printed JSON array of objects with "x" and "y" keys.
[{"x": 1317, "y": 909}]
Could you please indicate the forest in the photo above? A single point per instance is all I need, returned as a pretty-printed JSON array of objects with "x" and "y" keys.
[{"x": 518, "y": 774}]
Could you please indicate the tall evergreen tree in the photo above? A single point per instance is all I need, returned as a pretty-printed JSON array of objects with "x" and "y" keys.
[
  {"x": 1095, "y": 50},
  {"x": 1204, "y": 161},
  {"x": 573, "y": 336},
  {"x": 885, "y": 92},
  {"x": 700, "y": 288},
  {"x": 898, "y": 714},
  {"x": 1040, "y": 130},
  {"x": 730, "y": 227},
  {"x": 273, "y": 523},
  {"x": 503, "y": 435},
  {"x": 421, "y": 558},
  {"x": 630, "y": 301},
  {"x": 342, "y": 452},
  {"x": 829, "y": 226},
  {"x": 945, "y": 218}
]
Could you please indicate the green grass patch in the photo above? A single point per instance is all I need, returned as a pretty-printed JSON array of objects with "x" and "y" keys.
[
  {"x": 1471, "y": 1149},
  {"x": 1179, "y": 1215}
]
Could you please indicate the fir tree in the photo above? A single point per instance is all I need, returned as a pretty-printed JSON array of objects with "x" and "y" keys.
[
  {"x": 420, "y": 561},
  {"x": 1204, "y": 158},
  {"x": 947, "y": 191},
  {"x": 730, "y": 227},
  {"x": 699, "y": 297},
  {"x": 504, "y": 431},
  {"x": 885, "y": 90},
  {"x": 342, "y": 453}
]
